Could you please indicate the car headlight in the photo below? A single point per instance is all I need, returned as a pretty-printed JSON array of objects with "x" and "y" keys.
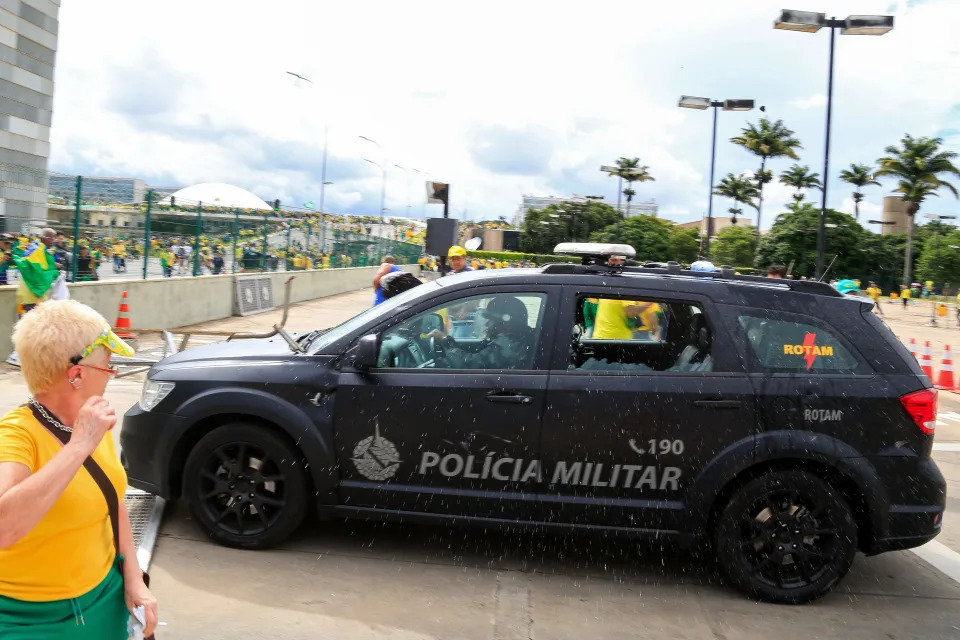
[{"x": 153, "y": 392}]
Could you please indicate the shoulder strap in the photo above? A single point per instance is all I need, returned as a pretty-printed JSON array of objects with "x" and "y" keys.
[{"x": 96, "y": 472}]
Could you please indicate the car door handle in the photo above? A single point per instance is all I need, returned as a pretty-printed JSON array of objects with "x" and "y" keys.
[
  {"x": 509, "y": 398},
  {"x": 718, "y": 404}
]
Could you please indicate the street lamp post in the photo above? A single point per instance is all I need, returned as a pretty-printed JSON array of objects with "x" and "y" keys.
[
  {"x": 691, "y": 102},
  {"x": 383, "y": 184},
  {"x": 811, "y": 22},
  {"x": 323, "y": 167}
]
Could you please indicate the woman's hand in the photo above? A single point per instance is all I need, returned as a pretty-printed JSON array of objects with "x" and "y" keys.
[
  {"x": 136, "y": 594},
  {"x": 94, "y": 419}
]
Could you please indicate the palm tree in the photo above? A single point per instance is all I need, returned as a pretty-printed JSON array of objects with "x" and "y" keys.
[
  {"x": 631, "y": 170},
  {"x": 917, "y": 165},
  {"x": 859, "y": 175},
  {"x": 629, "y": 193},
  {"x": 769, "y": 140},
  {"x": 739, "y": 189},
  {"x": 800, "y": 178}
]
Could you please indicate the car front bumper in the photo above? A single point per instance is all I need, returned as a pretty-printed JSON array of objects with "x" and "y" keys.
[{"x": 146, "y": 441}]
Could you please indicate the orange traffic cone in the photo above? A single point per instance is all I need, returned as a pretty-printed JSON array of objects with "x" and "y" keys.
[
  {"x": 122, "y": 327},
  {"x": 926, "y": 361},
  {"x": 913, "y": 348},
  {"x": 945, "y": 377}
]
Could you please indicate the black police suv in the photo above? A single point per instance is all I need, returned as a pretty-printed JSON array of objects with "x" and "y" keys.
[{"x": 780, "y": 421}]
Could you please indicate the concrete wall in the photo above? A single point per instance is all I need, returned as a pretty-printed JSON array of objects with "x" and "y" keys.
[{"x": 177, "y": 302}]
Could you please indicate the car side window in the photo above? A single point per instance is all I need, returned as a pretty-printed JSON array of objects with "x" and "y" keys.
[
  {"x": 787, "y": 345},
  {"x": 499, "y": 331},
  {"x": 640, "y": 336}
]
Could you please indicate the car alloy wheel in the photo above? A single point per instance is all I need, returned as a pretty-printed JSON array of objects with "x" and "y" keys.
[
  {"x": 247, "y": 485},
  {"x": 786, "y": 537}
]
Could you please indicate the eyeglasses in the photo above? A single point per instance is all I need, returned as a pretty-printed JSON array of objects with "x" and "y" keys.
[{"x": 112, "y": 372}]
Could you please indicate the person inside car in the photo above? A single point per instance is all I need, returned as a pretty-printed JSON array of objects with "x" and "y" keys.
[{"x": 508, "y": 343}]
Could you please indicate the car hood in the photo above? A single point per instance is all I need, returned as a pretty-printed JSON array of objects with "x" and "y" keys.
[{"x": 253, "y": 349}]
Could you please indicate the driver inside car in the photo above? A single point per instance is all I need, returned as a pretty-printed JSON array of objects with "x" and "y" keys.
[{"x": 508, "y": 341}]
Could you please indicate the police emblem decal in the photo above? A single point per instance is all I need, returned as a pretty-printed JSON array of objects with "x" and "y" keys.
[{"x": 376, "y": 458}]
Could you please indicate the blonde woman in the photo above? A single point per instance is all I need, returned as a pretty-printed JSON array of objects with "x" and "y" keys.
[{"x": 62, "y": 567}]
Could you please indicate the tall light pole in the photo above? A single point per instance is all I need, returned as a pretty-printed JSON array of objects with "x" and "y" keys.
[
  {"x": 811, "y": 22},
  {"x": 407, "y": 186},
  {"x": 383, "y": 184},
  {"x": 326, "y": 139},
  {"x": 691, "y": 102}
]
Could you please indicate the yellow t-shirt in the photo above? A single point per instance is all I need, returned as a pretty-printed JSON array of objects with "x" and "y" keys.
[
  {"x": 874, "y": 293},
  {"x": 120, "y": 251},
  {"x": 905, "y": 294},
  {"x": 71, "y": 549},
  {"x": 611, "y": 322}
]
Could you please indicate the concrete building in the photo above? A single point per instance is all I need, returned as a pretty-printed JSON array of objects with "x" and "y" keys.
[
  {"x": 719, "y": 223},
  {"x": 894, "y": 216},
  {"x": 538, "y": 203},
  {"x": 28, "y": 46},
  {"x": 105, "y": 191}
]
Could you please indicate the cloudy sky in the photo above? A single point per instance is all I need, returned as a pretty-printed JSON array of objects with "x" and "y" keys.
[{"x": 498, "y": 98}]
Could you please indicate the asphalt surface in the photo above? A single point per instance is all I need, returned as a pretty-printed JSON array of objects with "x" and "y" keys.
[{"x": 356, "y": 580}]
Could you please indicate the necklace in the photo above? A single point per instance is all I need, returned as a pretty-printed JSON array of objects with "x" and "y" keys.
[{"x": 50, "y": 419}]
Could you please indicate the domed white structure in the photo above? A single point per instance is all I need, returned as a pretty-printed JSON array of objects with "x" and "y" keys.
[{"x": 217, "y": 194}]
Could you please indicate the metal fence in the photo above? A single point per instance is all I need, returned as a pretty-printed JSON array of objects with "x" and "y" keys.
[{"x": 107, "y": 229}]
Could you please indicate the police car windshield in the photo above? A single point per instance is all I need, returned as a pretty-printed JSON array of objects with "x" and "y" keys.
[{"x": 385, "y": 308}]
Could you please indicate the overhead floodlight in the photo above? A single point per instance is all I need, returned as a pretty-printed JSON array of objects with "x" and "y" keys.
[
  {"x": 737, "y": 105},
  {"x": 692, "y": 102},
  {"x": 806, "y": 21},
  {"x": 608, "y": 169},
  {"x": 867, "y": 25}
]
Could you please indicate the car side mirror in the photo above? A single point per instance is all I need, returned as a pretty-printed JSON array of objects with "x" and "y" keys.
[{"x": 365, "y": 353}]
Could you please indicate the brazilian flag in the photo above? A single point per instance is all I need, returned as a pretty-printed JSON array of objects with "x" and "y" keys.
[{"x": 37, "y": 269}]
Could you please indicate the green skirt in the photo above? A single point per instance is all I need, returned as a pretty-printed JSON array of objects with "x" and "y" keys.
[{"x": 99, "y": 614}]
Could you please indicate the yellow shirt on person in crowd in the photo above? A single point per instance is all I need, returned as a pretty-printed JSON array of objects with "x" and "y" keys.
[
  {"x": 70, "y": 551},
  {"x": 120, "y": 251},
  {"x": 612, "y": 323},
  {"x": 874, "y": 293},
  {"x": 905, "y": 294}
]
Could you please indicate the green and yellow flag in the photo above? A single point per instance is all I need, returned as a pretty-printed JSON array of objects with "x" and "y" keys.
[{"x": 37, "y": 270}]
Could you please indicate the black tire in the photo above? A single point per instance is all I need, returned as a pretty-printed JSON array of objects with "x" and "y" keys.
[
  {"x": 274, "y": 496},
  {"x": 786, "y": 537}
]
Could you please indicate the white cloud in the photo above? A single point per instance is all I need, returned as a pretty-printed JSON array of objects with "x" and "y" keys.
[
  {"x": 816, "y": 101},
  {"x": 200, "y": 93}
]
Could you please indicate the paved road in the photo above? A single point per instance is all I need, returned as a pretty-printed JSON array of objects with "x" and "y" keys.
[{"x": 373, "y": 581}]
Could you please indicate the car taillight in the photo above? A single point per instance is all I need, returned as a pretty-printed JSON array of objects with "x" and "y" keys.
[{"x": 922, "y": 407}]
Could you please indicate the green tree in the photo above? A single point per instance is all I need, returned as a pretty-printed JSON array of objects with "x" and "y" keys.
[
  {"x": 542, "y": 230},
  {"x": 735, "y": 246},
  {"x": 939, "y": 261},
  {"x": 800, "y": 179},
  {"x": 632, "y": 171},
  {"x": 739, "y": 189},
  {"x": 648, "y": 235},
  {"x": 859, "y": 175},
  {"x": 918, "y": 166},
  {"x": 768, "y": 140},
  {"x": 684, "y": 244},
  {"x": 793, "y": 239}
]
